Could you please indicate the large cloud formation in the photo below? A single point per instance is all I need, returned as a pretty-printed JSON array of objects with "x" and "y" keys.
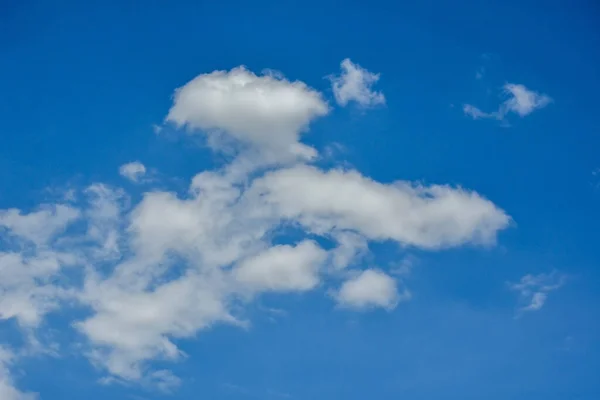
[{"x": 170, "y": 266}]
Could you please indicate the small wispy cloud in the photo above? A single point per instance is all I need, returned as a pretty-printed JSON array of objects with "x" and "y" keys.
[
  {"x": 480, "y": 73},
  {"x": 519, "y": 100},
  {"x": 596, "y": 178},
  {"x": 157, "y": 129},
  {"x": 404, "y": 267},
  {"x": 354, "y": 84},
  {"x": 533, "y": 290},
  {"x": 134, "y": 171},
  {"x": 476, "y": 113}
]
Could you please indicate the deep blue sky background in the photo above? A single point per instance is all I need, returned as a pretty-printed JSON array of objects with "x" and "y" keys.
[{"x": 81, "y": 84}]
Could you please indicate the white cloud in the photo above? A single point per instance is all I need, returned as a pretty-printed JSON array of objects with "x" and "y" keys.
[
  {"x": 41, "y": 226},
  {"x": 164, "y": 380},
  {"x": 219, "y": 241},
  {"x": 404, "y": 267},
  {"x": 134, "y": 171},
  {"x": 29, "y": 264},
  {"x": 175, "y": 282},
  {"x": 351, "y": 246},
  {"x": 371, "y": 288},
  {"x": 283, "y": 268},
  {"x": 104, "y": 219},
  {"x": 429, "y": 217},
  {"x": 267, "y": 112},
  {"x": 354, "y": 84},
  {"x": 523, "y": 101},
  {"x": 520, "y": 100},
  {"x": 173, "y": 265},
  {"x": 27, "y": 292},
  {"x": 133, "y": 325},
  {"x": 475, "y": 112},
  {"x": 7, "y": 389},
  {"x": 534, "y": 289}
]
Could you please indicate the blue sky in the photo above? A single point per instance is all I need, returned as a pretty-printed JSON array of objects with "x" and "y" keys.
[{"x": 299, "y": 200}]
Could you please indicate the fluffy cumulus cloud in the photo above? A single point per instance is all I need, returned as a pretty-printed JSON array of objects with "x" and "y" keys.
[
  {"x": 149, "y": 274},
  {"x": 134, "y": 171},
  {"x": 265, "y": 111},
  {"x": 354, "y": 84},
  {"x": 519, "y": 100},
  {"x": 370, "y": 288},
  {"x": 422, "y": 216},
  {"x": 283, "y": 268},
  {"x": 533, "y": 290}
]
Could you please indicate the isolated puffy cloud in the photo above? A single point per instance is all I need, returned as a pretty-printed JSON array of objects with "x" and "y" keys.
[
  {"x": 534, "y": 289},
  {"x": 354, "y": 84},
  {"x": 430, "y": 217},
  {"x": 520, "y": 100},
  {"x": 134, "y": 171},
  {"x": 268, "y": 111},
  {"x": 523, "y": 101},
  {"x": 371, "y": 288}
]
